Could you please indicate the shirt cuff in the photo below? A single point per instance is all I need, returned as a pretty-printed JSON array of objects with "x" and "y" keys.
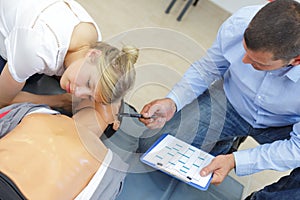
[
  {"x": 172, "y": 96},
  {"x": 242, "y": 163}
]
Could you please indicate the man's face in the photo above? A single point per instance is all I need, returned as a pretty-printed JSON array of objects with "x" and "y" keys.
[{"x": 262, "y": 60}]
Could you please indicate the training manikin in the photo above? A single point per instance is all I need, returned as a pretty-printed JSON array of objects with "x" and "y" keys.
[{"x": 51, "y": 156}]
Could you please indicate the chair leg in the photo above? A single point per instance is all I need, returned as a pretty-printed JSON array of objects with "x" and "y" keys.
[
  {"x": 187, "y": 5},
  {"x": 170, "y": 6},
  {"x": 195, "y": 3}
]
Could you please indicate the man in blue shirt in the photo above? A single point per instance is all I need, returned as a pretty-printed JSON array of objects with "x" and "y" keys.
[{"x": 256, "y": 55}]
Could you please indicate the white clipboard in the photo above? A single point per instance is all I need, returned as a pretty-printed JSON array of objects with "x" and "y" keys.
[{"x": 180, "y": 160}]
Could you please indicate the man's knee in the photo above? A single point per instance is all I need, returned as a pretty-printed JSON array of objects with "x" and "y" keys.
[{"x": 288, "y": 187}]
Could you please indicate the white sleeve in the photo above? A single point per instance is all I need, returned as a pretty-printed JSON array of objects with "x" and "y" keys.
[{"x": 27, "y": 53}]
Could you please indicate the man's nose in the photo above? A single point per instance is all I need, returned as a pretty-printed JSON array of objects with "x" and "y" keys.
[{"x": 245, "y": 59}]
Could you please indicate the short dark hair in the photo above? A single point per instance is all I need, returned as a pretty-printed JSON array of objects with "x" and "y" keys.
[{"x": 276, "y": 29}]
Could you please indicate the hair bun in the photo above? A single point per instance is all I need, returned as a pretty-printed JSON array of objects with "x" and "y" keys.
[{"x": 131, "y": 52}]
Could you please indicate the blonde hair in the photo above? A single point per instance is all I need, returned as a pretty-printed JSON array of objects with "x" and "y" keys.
[{"x": 117, "y": 72}]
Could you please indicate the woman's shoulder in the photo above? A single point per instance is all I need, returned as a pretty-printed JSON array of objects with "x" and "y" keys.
[
  {"x": 27, "y": 47},
  {"x": 83, "y": 34}
]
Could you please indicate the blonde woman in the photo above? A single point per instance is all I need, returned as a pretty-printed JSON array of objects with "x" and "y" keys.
[
  {"x": 52, "y": 156},
  {"x": 56, "y": 157},
  {"x": 54, "y": 37}
]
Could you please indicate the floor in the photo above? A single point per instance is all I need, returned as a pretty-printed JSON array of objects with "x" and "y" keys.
[{"x": 167, "y": 48}]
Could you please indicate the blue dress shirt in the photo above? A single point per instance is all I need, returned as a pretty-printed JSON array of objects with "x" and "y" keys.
[{"x": 262, "y": 98}]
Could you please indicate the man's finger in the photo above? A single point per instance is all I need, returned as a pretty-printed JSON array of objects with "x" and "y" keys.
[
  {"x": 157, "y": 123},
  {"x": 207, "y": 170}
]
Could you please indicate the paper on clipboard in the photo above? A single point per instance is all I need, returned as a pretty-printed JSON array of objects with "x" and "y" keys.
[{"x": 179, "y": 159}]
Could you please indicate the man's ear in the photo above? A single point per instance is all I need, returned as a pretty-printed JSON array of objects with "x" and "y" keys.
[
  {"x": 94, "y": 55},
  {"x": 296, "y": 61}
]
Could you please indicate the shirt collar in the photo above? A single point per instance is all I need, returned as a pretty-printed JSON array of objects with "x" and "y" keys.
[{"x": 292, "y": 72}]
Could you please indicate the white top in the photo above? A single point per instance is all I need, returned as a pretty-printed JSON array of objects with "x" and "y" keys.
[
  {"x": 35, "y": 34},
  {"x": 89, "y": 190}
]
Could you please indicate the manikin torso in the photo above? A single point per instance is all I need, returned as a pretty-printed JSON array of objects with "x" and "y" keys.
[{"x": 48, "y": 154}]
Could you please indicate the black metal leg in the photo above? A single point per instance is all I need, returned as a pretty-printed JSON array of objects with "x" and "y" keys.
[
  {"x": 195, "y": 3},
  {"x": 170, "y": 6},
  {"x": 187, "y": 5}
]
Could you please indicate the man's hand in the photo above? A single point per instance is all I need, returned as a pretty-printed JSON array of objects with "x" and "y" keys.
[
  {"x": 159, "y": 112},
  {"x": 220, "y": 166}
]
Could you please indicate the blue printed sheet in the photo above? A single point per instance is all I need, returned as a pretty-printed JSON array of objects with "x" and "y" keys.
[{"x": 180, "y": 160}]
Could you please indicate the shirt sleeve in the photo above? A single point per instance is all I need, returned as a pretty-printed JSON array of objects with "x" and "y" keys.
[
  {"x": 215, "y": 63},
  {"x": 27, "y": 53},
  {"x": 280, "y": 155},
  {"x": 201, "y": 73}
]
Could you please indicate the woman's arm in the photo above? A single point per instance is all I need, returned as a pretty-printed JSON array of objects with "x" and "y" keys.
[
  {"x": 9, "y": 88},
  {"x": 63, "y": 101},
  {"x": 10, "y": 93}
]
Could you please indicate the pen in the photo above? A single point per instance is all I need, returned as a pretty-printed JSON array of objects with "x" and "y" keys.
[{"x": 134, "y": 115}]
